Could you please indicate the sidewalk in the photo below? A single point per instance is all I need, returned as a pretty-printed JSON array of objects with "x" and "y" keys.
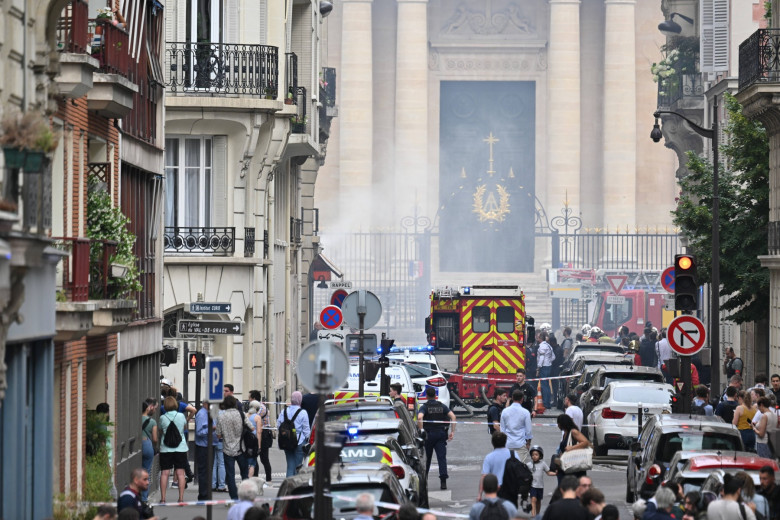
[{"x": 219, "y": 512}]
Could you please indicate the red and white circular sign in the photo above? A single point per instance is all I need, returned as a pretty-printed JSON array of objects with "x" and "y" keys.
[
  {"x": 331, "y": 317},
  {"x": 686, "y": 335}
]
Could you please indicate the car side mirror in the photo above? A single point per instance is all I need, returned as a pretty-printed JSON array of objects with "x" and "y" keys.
[{"x": 417, "y": 387}]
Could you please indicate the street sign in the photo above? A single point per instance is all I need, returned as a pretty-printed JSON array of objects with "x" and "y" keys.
[
  {"x": 566, "y": 291},
  {"x": 617, "y": 281},
  {"x": 322, "y": 356},
  {"x": 331, "y": 317},
  {"x": 334, "y": 336},
  {"x": 337, "y": 298},
  {"x": 667, "y": 279},
  {"x": 352, "y": 343},
  {"x": 364, "y": 302},
  {"x": 686, "y": 335},
  {"x": 616, "y": 300},
  {"x": 340, "y": 285},
  {"x": 207, "y": 328},
  {"x": 214, "y": 379},
  {"x": 207, "y": 308}
]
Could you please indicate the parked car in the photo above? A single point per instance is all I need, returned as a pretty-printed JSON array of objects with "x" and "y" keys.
[
  {"x": 374, "y": 478},
  {"x": 372, "y": 387},
  {"x": 386, "y": 450},
  {"x": 424, "y": 371},
  {"x": 664, "y": 435},
  {"x": 579, "y": 349},
  {"x": 715, "y": 467},
  {"x": 615, "y": 414},
  {"x": 588, "y": 363},
  {"x": 694, "y": 471},
  {"x": 607, "y": 374}
]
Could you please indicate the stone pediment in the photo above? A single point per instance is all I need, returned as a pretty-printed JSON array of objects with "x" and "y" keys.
[{"x": 487, "y": 20}]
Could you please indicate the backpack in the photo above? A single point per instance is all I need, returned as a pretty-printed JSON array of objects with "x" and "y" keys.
[
  {"x": 249, "y": 445},
  {"x": 517, "y": 480},
  {"x": 287, "y": 436},
  {"x": 558, "y": 353},
  {"x": 493, "y": 510},
  {"x": 698, "y": 409},
  {"x": 172, "y": 437}
]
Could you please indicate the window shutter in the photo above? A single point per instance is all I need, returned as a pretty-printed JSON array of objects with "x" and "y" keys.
[
  {"x": 706, "y": 22},
  {"x": 720, "y": 36},
  {"x": 263, "y": 22},
  {"x": 232, "y": 15},
  {"x": 171, "y": 10},
  {"x": 219, "y": 180}
]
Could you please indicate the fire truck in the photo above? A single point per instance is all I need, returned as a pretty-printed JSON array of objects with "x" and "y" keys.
[
  {"x": 485, "y": 324},
  {"x": 640, "y": 298}
]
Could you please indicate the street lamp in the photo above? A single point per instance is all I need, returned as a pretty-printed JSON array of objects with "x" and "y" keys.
[
  {"x": 670, "y": 27},
  {"x": 711, "y": 134}
]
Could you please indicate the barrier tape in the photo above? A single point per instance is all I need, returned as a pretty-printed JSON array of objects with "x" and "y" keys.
[
  {"x": 396, "y": 507},
  {"x": 485, "y": 423}
]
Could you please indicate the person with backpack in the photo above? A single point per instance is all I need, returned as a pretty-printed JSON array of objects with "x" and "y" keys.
[
  {"x": 700, "y": 404},
  {"x": 230, "y": 429},
  {"x": 148, "y": 439},
  {"x": 293, "y": 432},
  {"x": 173, "y": 448},
  {"x": 494, "y": 410},
  {"x": 495, "y": 460},
  {"x": 491, "y": 507},
  {"x": 725, "y": 408}
]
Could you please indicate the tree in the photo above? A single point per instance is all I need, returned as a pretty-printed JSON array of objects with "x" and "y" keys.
[{"x": 744, "y": 215}]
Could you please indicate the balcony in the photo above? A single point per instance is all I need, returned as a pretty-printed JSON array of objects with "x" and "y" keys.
[
  {"x": 215, "y": 241},
  {"x": 681, "y": 91},
  {"x": 249, "y": 241},
  {"x": 292, "y": 78},
  {"x": 758, "y": 58},
  {"x": 300, "y": 122},
  {"x": 76, "y": 65},
  {"x": 210, "y": 69},
  {"x": 113, "y": 90},
  {"x": 85, "y": 302}
]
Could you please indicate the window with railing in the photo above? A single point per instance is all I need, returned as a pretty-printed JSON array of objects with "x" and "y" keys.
[
  {"x": 759, "y": 58},
  {"x": 329, "y": 77},
  {"x": 72, "y": 28},
  {"x": 300, "y": 121},
  {"x": 110, "y": 46},
  {"x": 200, "y": 240},
  {"x": 292, "y": 77},
  {"x": 249, "y": 241}
]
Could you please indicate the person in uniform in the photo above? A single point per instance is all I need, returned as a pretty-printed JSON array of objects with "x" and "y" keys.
[
  {"x": 435, "y": 418},
  {"x": 528, "y": 390}
]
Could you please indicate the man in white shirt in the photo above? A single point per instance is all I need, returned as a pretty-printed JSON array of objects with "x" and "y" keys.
[
  {"x": 664, "y": 353},
  {"x": 516, "y": 424},
  {"x": 545, "y": 357},
  {"x": 572, "y": 410}
]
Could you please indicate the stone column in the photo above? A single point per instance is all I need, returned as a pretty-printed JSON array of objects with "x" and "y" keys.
[
  {"x": 619, "y": 178},
  {"x": 563, "y": 106},
  {"x": 355, "y": 110},
  {"x": 411, "y": 110}
]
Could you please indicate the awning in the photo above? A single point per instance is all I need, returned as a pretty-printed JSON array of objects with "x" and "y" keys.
[{"x": 322, "y": 268}]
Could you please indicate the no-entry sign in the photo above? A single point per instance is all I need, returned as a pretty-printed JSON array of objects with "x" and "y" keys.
[
  {"x": 667, "y": 279},
  {"x": 331, "y": 317},
  {"x": 686, "y": 335}
]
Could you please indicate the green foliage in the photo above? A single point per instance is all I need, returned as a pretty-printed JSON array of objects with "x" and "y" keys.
[
  {"x": 744, "y": 216},
  {"x": 107, "y": 222},
  {"x": 97, "y": 488},
  {"x": 97, "y": 432}
]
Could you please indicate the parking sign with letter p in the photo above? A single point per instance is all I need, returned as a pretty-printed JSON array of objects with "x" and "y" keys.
[{"x": 214, "y": 379}]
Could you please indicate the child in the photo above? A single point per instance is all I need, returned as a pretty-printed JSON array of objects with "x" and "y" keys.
[{"x": 538, "y": 467}]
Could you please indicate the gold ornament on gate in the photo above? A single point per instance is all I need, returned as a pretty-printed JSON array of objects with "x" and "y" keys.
[{"x": 491, "y": 209}]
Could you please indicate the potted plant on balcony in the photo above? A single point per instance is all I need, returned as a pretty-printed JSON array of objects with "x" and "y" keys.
[
  {"x": 289, "y": 99},
  {"x": 26, "y": 139},
  {"x": 270, "y": 92},
  {"x": 298, "y": 124}
]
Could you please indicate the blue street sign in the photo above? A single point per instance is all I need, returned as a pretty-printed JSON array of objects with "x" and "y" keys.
[
  {"x": 214, "y": 379},
  {"x": 208, "y": 308},
  {"x": 667, "y": 279}
]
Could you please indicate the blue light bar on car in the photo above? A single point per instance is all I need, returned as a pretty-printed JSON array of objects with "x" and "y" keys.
[
  {"x": 418, "y": 348},
  {"x": 352, "y": 431}
]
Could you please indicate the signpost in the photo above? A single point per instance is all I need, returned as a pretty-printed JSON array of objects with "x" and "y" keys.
[
  {"x": 336, "y": 336},
  {"x": 207, "y": 308},
  {"x": 617, "y": 281},
  {"x": 337, "y": 298},
  {"x": 208, "y": 328},
  {"x": 331, "y": 317},
  {"x": 340, "y": 285},
  {"x": 322, "y": 367},
  {"x": 216, "y": 382},
  {"x": 686, "y": 336},
  {"x": 667, "y": 279},
  {"x": 362, "y": 310}
]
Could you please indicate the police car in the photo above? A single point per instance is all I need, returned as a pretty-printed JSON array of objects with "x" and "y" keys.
[
  {"x": 421, "y": 364},
  {"x": 371, "y": 387}
]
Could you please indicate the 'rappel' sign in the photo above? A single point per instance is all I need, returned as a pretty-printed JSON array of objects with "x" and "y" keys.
[{"x": 686, "y": 335}]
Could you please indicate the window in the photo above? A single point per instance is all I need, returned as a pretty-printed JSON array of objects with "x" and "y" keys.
[
  {"x": 480, "y": 319},
  {"x": 505, "y": 319},
  {"x": 188, "y": 178},
  {"x": 616, "y": 314}
]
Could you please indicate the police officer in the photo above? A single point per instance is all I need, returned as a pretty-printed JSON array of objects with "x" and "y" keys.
[
  {"x": 528, "y": 390},
  {"x": 435, "y": 418}
]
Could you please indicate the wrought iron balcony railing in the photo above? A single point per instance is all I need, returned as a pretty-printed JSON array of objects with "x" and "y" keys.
[
  {"x": 677, "y": 87},
  {"x": 249, "y": 241},
  {"x": 292, "y": 76},
  {"x": 329, "y": 76},
  {"x": 773, "y": 236},
  {"x": 296, "y": 231},
  {"x": 300, "y": 122},
  {"x": 220, "y": 68},
  {"x": 758, "y": 58},
  {"x": 83, "y": 278},
  {"x": 72, "y": 28},
  {"x": 210, "y": 240}
]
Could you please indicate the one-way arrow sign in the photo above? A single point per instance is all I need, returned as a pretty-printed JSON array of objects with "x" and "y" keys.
[{"x": 203, "y": 327}]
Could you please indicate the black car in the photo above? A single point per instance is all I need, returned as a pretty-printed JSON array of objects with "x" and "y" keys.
[
  {"x": 584, "y": 363},
  {"x": 346, "y": 485}
]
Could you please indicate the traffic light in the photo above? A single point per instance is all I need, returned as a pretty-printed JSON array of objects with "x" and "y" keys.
[
  {"x": 686, "y": 287},
  {"x": 196, "y": 361},
  {"x": 169, "y": 354}
]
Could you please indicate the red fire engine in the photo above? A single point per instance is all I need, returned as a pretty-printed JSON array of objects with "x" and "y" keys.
[{"x": 485, "y": 324}]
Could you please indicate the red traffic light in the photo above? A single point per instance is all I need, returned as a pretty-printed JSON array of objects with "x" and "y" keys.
[
  {"x": 684, "y": 262},
  {"x": 196, "y": 360}
]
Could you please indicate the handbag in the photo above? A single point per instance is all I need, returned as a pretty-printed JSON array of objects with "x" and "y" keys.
[{"x": 574, "y": 461}]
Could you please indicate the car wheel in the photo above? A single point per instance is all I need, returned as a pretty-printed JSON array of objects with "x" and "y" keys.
[{"x": 423, "y": 500}]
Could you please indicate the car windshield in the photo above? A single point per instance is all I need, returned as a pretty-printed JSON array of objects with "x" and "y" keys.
[
  {"x": 641, "y": 394},
  {"x": 599, "y": 348},
  {"x": 420, "y": 369},
  {"x": 343, "y": 501},
  {"x": 673, "y": 442},
  {"x": 633, "y": 376},
  {"x": 360, "y": 415}
]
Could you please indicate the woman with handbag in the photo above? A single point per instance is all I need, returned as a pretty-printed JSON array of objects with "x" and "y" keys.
[
  {"x": 743, "y": 417},
  {"x": 575, "y": 451}
]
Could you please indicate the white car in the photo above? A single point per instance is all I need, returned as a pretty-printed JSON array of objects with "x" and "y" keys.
[
  {"x": 614, "y": 418},
  {"x": 423, "y": 369}
]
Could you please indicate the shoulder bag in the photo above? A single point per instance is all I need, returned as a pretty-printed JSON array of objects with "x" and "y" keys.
[{"x": 574, "y": 461}]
